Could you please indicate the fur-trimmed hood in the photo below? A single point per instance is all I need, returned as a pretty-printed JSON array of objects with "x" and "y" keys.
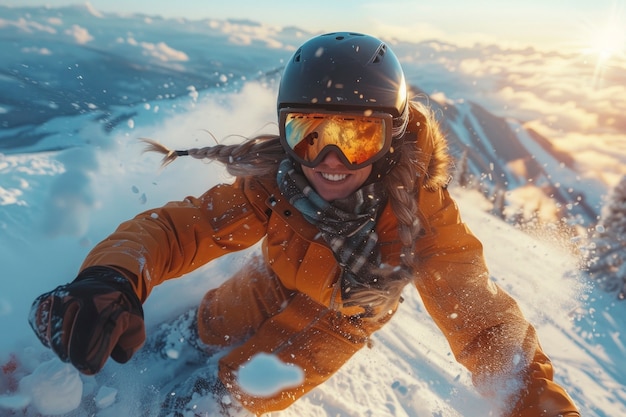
[{"x": 434, "y": 161}]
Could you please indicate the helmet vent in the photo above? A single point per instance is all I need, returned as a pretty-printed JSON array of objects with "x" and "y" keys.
[
  {"x": 378, "y": 57},
  {"x": 298, "y": 55}
]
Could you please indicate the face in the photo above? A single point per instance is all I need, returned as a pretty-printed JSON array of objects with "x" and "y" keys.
[{"x": 332, "y": 180}]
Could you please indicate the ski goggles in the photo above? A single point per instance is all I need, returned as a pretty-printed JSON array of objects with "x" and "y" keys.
[{"x": 359, "y": 139}]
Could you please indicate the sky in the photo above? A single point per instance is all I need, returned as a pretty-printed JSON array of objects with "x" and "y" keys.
[{"x": 560, "y": 24}]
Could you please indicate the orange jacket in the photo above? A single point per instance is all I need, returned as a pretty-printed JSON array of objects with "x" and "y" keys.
[{"x": 483, "y": 325}]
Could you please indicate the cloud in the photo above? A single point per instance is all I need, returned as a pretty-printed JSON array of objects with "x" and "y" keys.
[
  {"x": 28, "y": 26},
  {"x": 163, "y": 52},
  {"x": 160, "y": 50},
  {"x": 80, "y": 34},
  {"x": 247, "y": 33},
  {"x": 565, "y": 97},
  {"x": 410, "y": 33},
  {"x": 57, "y": 21},
  {"x": 555, "y": 89},
  {"x": 10, "y": 196},
  {"x": 92, "y": 10},
  {"x": 244, "y": 39},
  {"x": 36, "y": 50}
]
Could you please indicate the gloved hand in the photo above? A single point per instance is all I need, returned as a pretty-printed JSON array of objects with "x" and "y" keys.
[{"x": 95, "y": 316}]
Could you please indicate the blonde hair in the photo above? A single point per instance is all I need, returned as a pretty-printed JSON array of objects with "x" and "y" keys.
[
  {"x": 258, "y": 156},
  {"x": 261, "y": 155}
]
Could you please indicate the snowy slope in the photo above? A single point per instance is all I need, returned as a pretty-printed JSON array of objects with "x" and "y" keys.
[{"x": 409, "y": 371}]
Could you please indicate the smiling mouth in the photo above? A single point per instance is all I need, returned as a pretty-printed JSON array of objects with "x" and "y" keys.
[{"x": 333, "y": 177}]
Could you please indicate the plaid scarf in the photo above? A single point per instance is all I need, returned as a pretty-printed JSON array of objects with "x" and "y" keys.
[{"x": 347, "y": 225}]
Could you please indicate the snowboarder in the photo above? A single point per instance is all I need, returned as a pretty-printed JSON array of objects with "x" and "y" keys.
[{"x": 351, "y": 203}]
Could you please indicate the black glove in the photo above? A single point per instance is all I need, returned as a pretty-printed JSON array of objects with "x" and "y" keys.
[{"x": 95, "y": 316}]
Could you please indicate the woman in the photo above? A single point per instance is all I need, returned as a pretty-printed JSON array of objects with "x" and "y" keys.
[{"x": 351, "y": 204}]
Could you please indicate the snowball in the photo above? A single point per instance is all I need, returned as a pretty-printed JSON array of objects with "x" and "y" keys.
[
  {"x": 172, "y": 353},
  {"x": 54, "y": 387},
  {"x": 105, "y": 397},
  {"x": 5, "y": 307},
  {"x": 265, "y": 375},
  {"x": 14, "y": 402}
]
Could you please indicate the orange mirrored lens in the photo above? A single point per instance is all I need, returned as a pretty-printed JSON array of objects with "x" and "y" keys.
[{"x": 358, "y": 137}]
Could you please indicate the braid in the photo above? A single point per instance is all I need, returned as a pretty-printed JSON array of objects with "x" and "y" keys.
[
  {"x": 400, "y": 185},
  {"x": 258, "y": 156},
  {"x": 403, "y": 184}
]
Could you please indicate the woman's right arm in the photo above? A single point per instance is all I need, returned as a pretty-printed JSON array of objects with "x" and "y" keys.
[{"x": 170, "y": 241}]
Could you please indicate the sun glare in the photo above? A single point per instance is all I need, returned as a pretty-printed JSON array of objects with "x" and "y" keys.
[
  {"x": 608, "y": 42},
  {"x": 603, "y": 43}
]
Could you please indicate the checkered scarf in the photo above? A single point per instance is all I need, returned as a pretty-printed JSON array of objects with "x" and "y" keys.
[{"x": 347, "y": 225}]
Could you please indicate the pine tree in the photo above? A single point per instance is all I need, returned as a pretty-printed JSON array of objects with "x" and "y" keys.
[
  {"x": 608, "y": 264},
  {"x": 499, "y": 202},
  {"x": 462, "y": 173}
]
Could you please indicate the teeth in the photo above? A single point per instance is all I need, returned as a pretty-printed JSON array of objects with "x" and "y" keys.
[{"x": 334, "y": 177}]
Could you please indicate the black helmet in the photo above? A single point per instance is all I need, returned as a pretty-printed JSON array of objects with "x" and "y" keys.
[{"x": 345, "y": 71}]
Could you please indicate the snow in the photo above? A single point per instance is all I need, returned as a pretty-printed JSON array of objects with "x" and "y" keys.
[
  {"x": 266, "y": 375},
  {"x": 54, "y": 387},
  {"x": 105, "y": 397},
  {"x": 57, "y": 202}
]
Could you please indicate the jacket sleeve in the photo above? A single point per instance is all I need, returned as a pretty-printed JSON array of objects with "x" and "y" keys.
[
  {"x": 181, "y": 236},
  {"x": 484, "y": 326}
]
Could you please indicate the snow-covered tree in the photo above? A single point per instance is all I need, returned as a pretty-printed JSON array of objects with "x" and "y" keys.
[
  {"x": 499, "y": 202},
  {"x": 462, "y": 173},
  {"x": 608, "y": 257}
]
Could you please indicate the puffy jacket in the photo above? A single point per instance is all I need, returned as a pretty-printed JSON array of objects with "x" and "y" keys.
[{"x": 484, "y": 326}]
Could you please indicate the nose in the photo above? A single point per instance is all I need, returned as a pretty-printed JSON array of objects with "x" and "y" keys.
[{"x": 331, "y": 160}]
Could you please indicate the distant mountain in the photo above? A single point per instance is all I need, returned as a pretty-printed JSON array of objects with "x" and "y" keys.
[
  {"x": 506, "y": 155},
  {"x": 78, "y": 62},
  {"x": 72, "y": 60}
]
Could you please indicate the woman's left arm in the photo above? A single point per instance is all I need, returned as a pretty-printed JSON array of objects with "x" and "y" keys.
[{"x": 484, "y": 326}]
